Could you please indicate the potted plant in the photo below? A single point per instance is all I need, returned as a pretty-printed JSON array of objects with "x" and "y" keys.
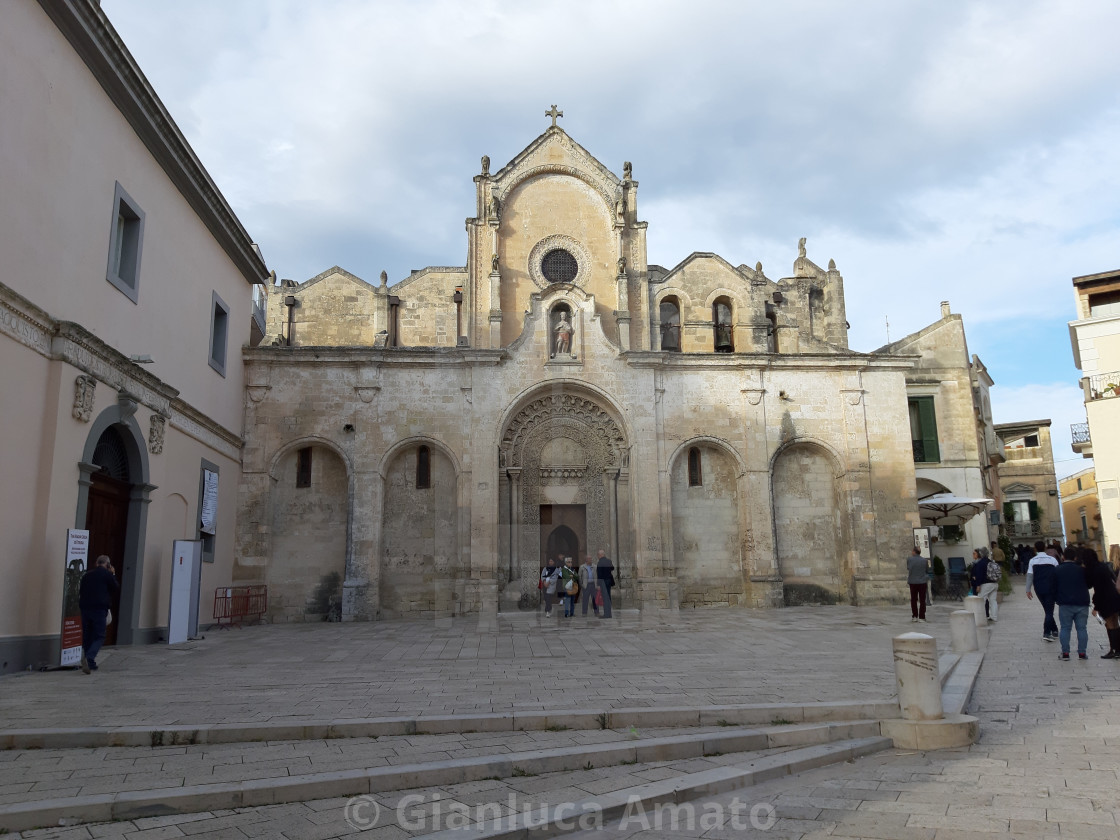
[{"x": 1114, "y": 388}]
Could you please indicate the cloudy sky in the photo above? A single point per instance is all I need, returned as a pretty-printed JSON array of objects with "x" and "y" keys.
[{"x": 960, "y": 151}]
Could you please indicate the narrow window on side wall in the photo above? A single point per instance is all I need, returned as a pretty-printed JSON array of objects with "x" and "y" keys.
[
  {"x": 695, "y": 468},
  {"x": 423, "y": 468},
  {"x": 303, "y": 467}
]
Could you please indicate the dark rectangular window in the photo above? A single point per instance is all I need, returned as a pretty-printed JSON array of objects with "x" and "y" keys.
[
  {"x": 219, "y": 333},
  {"x": 1030, "y": 440},
  {"x": 923, "y": 430},
  {"x": 303, "y": 467},
  {"x": 695, "y": 468},
  {"x": 126, "y": 238}
]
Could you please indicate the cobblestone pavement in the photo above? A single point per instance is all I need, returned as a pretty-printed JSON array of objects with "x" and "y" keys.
[
  {"x": 1047, "y": 765},
  {"x": 288, "y": 673}
]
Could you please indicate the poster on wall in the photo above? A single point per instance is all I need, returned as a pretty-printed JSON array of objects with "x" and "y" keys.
[
  {"x": 77, "y": 552},
  {"x": 921, "y": 541},
  {"x": 209, "y": 514}
]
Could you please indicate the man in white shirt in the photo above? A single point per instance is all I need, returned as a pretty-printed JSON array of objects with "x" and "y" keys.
[{"x": 1040, "y": 575}]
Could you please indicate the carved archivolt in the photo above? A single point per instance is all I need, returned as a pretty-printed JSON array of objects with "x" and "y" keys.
[
  {"x": 571, "y": 407},
  {"x": 608, "y": 192}
]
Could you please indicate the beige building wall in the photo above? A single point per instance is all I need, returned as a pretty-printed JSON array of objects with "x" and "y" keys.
[
  {"x": 74, "y": 344},
  {"x": 1028, "y": 477},
  {"x": 533, "y": 449},
  {"x": 968, "y": 453},
  {"x": 1095, "y": 337},
  {"x": 1081, "y": 510}
]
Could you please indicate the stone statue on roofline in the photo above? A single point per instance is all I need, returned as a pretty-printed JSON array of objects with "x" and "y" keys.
[{"x": 486, "y": 164}]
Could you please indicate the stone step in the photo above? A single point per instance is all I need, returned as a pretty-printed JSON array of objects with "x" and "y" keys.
[
  {"x": 255, "y": 792},
  {"x": 165, "y": 736},
  {"x": 644, "y": 803}
]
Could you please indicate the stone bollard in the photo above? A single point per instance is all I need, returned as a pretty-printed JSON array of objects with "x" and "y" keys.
[
  {"x": 975, "y": 605},
  {"x": 962, "y": 625},
  {"x": 918, "y": 676}
]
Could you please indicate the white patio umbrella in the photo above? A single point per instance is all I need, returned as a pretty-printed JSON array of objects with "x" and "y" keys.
[{"x": 949, "y": 509}]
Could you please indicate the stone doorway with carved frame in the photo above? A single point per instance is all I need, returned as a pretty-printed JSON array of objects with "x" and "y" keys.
[{"x": 564, "y": 485}]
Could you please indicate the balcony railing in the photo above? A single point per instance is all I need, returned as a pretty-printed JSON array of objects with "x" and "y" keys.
[
  {"x": 1080, "y": 432},
  {"x": 1017, "y": 530},
  {"x": 1102, "y": 386}
]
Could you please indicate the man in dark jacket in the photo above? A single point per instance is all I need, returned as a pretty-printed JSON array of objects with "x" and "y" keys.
[
  {"x": 604, "y": 573},
  {"x": 1071, "y": 593},
  {"x": 95, "y": 599}
]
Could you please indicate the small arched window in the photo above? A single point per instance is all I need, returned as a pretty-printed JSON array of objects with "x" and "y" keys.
[
  {"x": 695, "y": 468},
  {"x": 721, "y": 322},
  {"x": 670, "y": 315},
  {"x": 423, "y": 468},
  {"x": 771, "y": 330}
]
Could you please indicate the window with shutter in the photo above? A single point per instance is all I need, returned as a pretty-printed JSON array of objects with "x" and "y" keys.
[{"x": 923, "y": 430}]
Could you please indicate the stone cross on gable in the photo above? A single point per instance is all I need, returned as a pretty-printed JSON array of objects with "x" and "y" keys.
[{"x": 552, "y": 112}]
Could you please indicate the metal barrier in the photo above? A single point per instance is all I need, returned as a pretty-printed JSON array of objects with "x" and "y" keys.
[{"x": 238, "y": 604}]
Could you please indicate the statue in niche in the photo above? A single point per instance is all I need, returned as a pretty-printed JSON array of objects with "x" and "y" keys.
[
  {"x": 627, "y": 170},
  {"x": 486, "y": 164},
  {"x": 563, "y": 332},
  {"x": 620, "y": 210},
  {"x": 494, "y": 264},
  {"x": 801, "y": 248},
  {"x": 495, "y": 208},
  {"x": 621, "y": 266}
]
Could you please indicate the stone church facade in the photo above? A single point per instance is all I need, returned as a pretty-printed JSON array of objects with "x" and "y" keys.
[{"x": 419, "y": 448}]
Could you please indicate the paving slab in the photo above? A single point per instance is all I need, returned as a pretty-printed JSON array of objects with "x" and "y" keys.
[{"x": 330, "y": 672}]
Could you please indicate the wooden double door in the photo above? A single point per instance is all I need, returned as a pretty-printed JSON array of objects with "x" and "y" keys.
[{"x": 107, "y": 523}]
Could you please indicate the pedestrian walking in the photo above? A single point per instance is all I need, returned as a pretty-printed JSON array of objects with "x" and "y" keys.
[
  {"x": 917, "y": 576},
  {"x": 95, "y": 598},
  {"x": 604, "y": 573},
  {"x": 588, "y": 584},
  {"x": 991, "y": 573},
  {"x": 1040, "y": 577},
  {"x": 1072, "y": 597},
  {"x": 550, "y": 576},
  {"x": 569, "y": 587},
  {"x": 1106, "y": 598}
]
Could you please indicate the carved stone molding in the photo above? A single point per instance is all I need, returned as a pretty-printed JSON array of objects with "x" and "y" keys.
[
  {"x": 84, "y": 387},
  {"x": 550, "y": 243},
  {"x": 257, "y": 392},
  {"x": 156, "y": 432},
  {"x": 126, "y": 404},
  {"x": 560, "y": 472},
  {"x": 366, "y": 393},
  {"x": 520, "y": 173}
]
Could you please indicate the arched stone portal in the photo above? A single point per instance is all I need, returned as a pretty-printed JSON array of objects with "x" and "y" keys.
[
  {"x": 809, "y": 529},
  {"x": 564, "y": 462}
]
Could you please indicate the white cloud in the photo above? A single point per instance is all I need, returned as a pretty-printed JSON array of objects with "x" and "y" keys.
[{"x": 960, "y": 151}]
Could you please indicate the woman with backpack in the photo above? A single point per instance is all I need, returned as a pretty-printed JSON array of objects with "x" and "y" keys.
[{"x": 986, "y": 575}]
